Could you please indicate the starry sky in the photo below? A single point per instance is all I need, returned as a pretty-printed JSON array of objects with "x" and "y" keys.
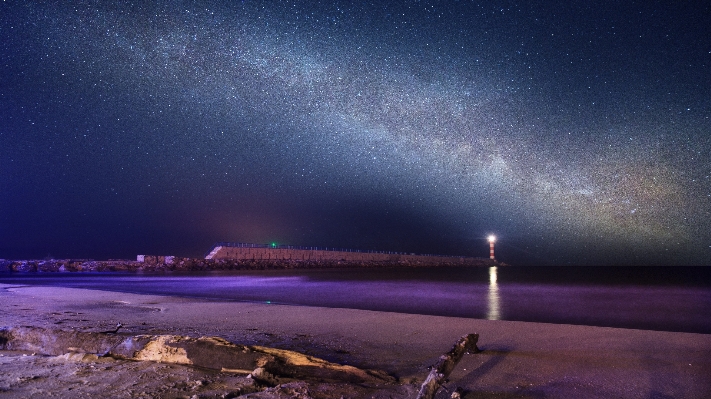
[{"x": 578, "y": 132}]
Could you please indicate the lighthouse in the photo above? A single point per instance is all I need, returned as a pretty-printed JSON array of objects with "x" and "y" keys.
[{"x": 492, "y": 239}]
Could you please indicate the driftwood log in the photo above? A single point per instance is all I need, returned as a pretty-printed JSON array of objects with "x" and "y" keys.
[
  {"x": 269, "y": 366},
  {"x": 444, "y": 366}
]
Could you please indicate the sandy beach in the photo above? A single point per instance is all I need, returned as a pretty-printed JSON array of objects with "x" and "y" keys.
[{"x": 518, "y": 359}]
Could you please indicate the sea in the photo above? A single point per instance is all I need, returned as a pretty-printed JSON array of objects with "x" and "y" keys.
[{"x": 650, "y": 298}]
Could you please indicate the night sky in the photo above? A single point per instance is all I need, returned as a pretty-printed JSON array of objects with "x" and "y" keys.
[{"x": 578, "y": 132}]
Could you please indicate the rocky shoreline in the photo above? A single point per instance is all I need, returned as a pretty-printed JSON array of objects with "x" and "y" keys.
[{"x": 173, "y": 263}]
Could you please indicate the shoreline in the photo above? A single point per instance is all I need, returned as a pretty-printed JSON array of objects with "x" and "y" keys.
[{"x": 518, "y": 359}]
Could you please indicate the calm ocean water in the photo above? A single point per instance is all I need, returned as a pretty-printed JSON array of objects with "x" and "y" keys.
[{"x": 653, "y": 298}]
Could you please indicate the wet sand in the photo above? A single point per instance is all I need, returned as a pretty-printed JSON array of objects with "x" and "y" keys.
[{"x": 519, "y": 360}]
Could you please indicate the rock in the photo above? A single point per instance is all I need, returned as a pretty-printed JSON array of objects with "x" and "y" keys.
[
  {"x": 78, "y": 357},
  {"x": 24, "y": 266},
  {"x": 263, "y": 376}
]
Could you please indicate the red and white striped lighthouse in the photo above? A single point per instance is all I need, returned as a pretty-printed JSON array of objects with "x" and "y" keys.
[{"x": 492, "y": 239}]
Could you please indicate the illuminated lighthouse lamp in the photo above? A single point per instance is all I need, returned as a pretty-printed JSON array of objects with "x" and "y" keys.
[{"x": 492, "y": 240}]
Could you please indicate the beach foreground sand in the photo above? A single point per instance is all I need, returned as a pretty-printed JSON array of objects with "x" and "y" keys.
[{"x": 518, "y": 359}]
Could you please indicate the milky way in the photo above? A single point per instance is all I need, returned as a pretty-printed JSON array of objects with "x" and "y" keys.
[{"x": 577, "y": 135}]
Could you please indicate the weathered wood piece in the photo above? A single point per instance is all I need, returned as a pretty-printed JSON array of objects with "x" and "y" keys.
[
  {"x": 267, "y": 365},
  {"x": 444, "y": 366}
]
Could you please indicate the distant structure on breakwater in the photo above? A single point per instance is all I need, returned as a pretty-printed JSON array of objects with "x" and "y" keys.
[{"x": 257, "y": 252}]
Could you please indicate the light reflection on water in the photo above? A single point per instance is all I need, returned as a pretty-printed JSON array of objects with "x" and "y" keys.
[{"x": 494, "y": 306}]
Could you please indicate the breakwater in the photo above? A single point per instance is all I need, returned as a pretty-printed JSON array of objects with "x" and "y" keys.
[
  {"x": 250, "y": 252},
  {"x": 257, "y": 261}
]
